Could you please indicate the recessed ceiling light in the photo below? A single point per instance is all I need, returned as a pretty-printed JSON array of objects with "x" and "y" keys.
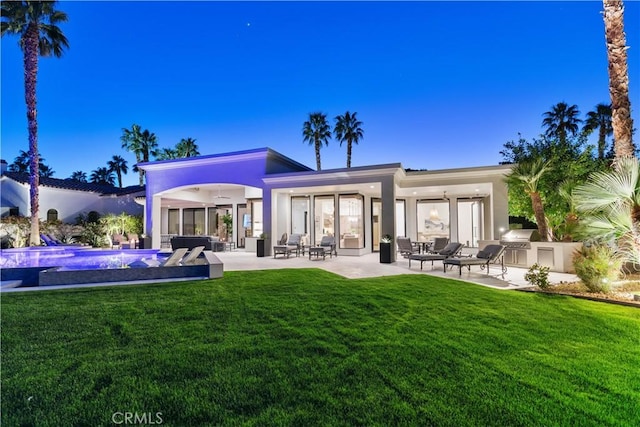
[
  {"x": 372, "y": 186},
  {"x": 415, "y": 192}
]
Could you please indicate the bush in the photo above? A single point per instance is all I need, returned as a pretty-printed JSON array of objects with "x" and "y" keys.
[
  {"x": 94, "y": 235},
  {"x": 538, "y": 276},
  {"x": 597, "y": 266}
]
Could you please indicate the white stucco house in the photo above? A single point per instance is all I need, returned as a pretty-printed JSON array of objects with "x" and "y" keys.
[
  {"x": 64, "y": 199},
  {"x": 267, "y": 193}
]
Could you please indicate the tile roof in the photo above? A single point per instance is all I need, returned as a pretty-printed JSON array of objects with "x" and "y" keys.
[{"x": 69, "y": 184}]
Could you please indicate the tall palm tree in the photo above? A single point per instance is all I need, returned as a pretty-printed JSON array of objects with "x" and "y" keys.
[
  {"x": 561, "y": 120},
  {"x": 78, "y": 176},
  {"x": 348, "y": 128},
  {"x": 618, "y": 79},
  {"x": 527, "y": 175},
  {"x": 599, "y": 119},
  {"x": 316, "y": 131},
  {"x": 102, "y": 176},
  {"x": 142, "y": 143},
  {"x": 610, "y": 206},
  {"x": 118, "y": 165},
  {"x": 187, "y": 148},
  {"x": 36, "y": 23}
]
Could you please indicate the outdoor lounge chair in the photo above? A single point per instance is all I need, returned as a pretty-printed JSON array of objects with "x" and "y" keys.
[
  {"x": 448, "y": 251},
  {"x": 489, "y": 255},
  {"x": 439, "y": 243},
  {"x": 292, "y": 245},
  {"x": 405, "y": 247},
  {"x": 192, "y": 255}
]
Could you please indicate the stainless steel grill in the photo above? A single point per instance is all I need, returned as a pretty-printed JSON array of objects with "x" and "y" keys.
[{"x": 520, "y": 239}]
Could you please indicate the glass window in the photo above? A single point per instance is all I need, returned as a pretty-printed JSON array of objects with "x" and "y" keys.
[
  {"x": 401, "y": 229},
  {"x": 213, "y": 222},
  {"x": 376, "y": 221},
  {"x": 470, "y": 222},
  {"x": 256, "y": 218},
  {"x": 433, "y": 219},
  {"x": 52, "y": 215},
  {"x": 174, "y": 221},
  {"x": 324, "y": 217},
  {"x": 300, "y": 215},
  {"x": 193, "y": 221},
  {"x": 351, "y": 221}
]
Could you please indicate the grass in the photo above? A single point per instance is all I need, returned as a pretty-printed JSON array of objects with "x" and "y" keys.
[{"x": 306, "y": 347}]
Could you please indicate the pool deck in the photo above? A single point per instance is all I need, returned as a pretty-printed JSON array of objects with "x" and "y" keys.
[{"x": 353, "y": 267}]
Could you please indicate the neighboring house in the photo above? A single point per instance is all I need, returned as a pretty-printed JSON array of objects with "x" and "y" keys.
[
  {"x": 64, "y": 199},
  {"x": 268, "y": 193}
]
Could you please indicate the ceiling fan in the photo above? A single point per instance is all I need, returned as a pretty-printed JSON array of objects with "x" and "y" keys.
[{"x": 220, "y": 197}]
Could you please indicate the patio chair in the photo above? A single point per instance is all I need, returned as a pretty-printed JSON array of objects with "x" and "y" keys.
[
  {"x": 134, "y": 240},
  {"x": 192, "y": 255},
  {"x": 118, "y": 241},
  {"x": 448, "y": 251},
  {"x": 292, "y": 245},
  {"x": 439, "y": 243},
  {"x": 327, "y": 246},
  {"x": 405, "y": 247},
  {"x": 489, "y": 255}
]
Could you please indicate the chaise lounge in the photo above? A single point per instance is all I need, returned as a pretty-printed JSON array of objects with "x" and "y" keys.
[
  {"x": 489, "y": 255},
  {"x": 448, "y": 251}
]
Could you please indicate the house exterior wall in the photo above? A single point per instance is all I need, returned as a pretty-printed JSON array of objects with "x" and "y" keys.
[{"x": 68, "y": 203}]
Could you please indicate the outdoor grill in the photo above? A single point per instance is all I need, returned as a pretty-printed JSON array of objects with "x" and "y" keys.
[{"x": 520, "y": 239}]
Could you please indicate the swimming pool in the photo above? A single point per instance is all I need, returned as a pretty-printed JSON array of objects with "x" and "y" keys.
[
  {"x": 73, "y": 258},
  {"x": 46, "y": 266}
]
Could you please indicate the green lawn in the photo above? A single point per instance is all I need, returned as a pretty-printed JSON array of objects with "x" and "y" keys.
[{"x": 309, "y": 348}]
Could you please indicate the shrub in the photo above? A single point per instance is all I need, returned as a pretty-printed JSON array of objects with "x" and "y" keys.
[
  {"x": 538, "y": 276},
  {"x": 93, "y": 234},
  {"x": 597, "y": 266}
]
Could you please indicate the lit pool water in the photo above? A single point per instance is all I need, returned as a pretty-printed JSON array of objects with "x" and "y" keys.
[{"x": 73, "y": 258}]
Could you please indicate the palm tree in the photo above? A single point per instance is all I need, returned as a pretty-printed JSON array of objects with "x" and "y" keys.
[
  {"x": 527, "y": 175},
  {"x": 610, "y": 206},
  {"x": 102, "y": 176},
  {"x": 618, "y": 78},
  {"x": 348, "y": 129},
  {"x": 315, "y": 131},
  {"x": 78, "y": 176},
  {"x": 599, "y": 119},
  {"x": 45, "y": 171},
  {"x": 21, "y": 162},
  {"x": 118, "y": 165},
  {"x": 166, "y": 154},
  {"x": 142, "y": 143},
  {"x": 187, "y": 148},
  {"x": 35, "y": 22},
  {"x": 561, "y": 120}
]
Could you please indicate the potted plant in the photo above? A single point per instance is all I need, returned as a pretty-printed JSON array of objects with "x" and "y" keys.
[
  {"x": 260, "y": 245},
  {"x": 385, "y": 249}
]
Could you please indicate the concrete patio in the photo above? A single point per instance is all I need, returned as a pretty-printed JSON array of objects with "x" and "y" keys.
[{"x": 353, "y": 267}]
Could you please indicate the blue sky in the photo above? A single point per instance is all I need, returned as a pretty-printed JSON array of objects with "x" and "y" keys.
[{"x": 436, "y": 84}]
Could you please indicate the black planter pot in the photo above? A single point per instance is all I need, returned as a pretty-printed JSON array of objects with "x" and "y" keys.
[
  {"x": 145, "y": 243},
  {"x": 260, "y": 247},
  {"x": 385, "y": 253}
]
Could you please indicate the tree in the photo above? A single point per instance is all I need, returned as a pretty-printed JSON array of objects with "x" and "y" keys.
[
  {"x": 525, "y": 176},
  {"x": 166, "y": 154},
  {"x": 561, "y": 121},
  {"x": 102, "y": 176},
  {"x": 142, "y": 143},
  {"x": 599, "y": 119},
  {"x": 610, "y": 206},
  {"x": 348, "y": 129},
  {"x": 118, "y": 165},
  {"x": 187, "y": 148},
  {"x": 36, "y": 23},
  {"x": 316, "y": 131},
  {"x": 78, "y": 176},
  {"x": 22, "y": 164},
  {"x": 618, "y": 79}
]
